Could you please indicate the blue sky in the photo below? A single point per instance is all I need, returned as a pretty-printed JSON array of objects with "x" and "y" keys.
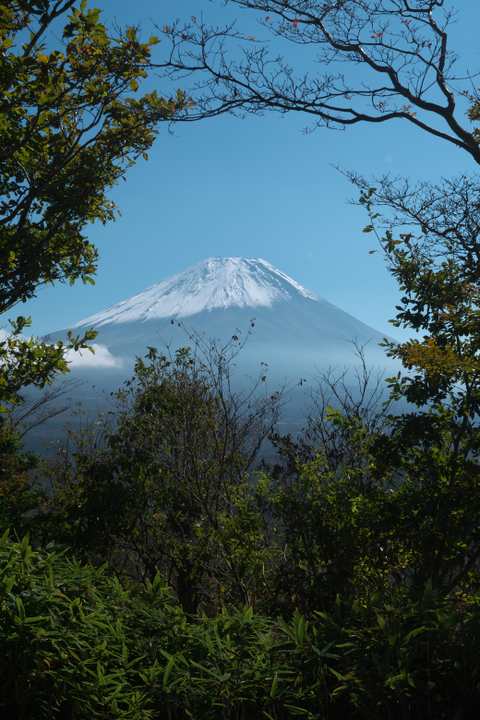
[{"x": 256, "y": 187}]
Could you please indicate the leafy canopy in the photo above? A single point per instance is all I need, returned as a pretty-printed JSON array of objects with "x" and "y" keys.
[{"x": 70, "y": 126}]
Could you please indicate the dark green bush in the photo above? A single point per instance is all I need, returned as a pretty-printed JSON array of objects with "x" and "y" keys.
[{"x": 75, "y": 644}]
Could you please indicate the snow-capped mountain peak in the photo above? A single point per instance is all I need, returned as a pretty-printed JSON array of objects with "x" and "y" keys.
[
  {"x": 217, "y": 300},
  {"x": 216, "y": 283}
]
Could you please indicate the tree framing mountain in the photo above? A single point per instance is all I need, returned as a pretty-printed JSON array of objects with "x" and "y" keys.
[
  {"x": 402, "y": 47},
  {"x": 70, "y": 127}
]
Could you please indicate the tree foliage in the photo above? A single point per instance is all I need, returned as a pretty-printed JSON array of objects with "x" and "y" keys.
[
  {"x": 165, "y": 484},
  {"x": 20, "y": 497},
  {"x": 434, "y": 449},
  {"x": 71, "y": 125}
]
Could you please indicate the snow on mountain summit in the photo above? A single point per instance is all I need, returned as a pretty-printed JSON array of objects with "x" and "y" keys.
[{"x": 211, "y": 284}]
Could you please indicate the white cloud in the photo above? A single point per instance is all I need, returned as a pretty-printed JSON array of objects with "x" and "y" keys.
[
  {"x": 86, "y": 359},
  {"x": 81, "y": 359}
]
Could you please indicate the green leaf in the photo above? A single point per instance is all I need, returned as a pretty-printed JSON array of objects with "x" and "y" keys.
[
  {"x": 7, "y": 585},
  {"x": 286, "y": 628},
  {"x": 248, "y": 613},
  {"x": 21, "y": 610},
  {"x": 296, "y": 710},
  {"x": 25, "y": 549},
  {"x": 168, "y": 670}
]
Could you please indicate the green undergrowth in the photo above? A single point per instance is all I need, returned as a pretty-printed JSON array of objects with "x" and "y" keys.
[{"x": 75, "y": 644}]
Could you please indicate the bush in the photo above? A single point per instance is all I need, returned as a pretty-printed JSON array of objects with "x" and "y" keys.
[
  {"x": 20, "y": 496},
  {"x": 75, "y": 644}
]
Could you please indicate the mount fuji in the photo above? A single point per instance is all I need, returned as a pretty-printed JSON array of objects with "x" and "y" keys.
[
  {"x": 294, "y": 330},
  {"x": 290, "y": 333}
]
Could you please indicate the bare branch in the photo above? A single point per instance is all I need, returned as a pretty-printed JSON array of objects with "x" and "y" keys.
[
  {"x": 35, "y": 411},
  {"x": 396, "y": 54}
]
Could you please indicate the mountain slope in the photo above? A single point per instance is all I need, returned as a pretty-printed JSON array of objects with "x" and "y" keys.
[{"x": 218, "y": 298}]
